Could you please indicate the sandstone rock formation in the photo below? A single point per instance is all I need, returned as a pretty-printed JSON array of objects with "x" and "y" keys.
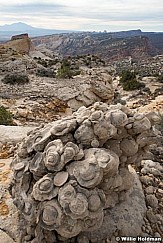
[
  {"x": 68, "y": 173},
  {"x": 14, "y": 55},
  {"x": 21, "y": 43}
]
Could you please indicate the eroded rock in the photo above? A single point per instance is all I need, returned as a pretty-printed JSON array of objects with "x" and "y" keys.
[{"x": 68, "y": 172}]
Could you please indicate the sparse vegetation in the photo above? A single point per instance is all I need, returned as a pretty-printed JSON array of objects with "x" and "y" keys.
[
  {"x": 160, "y": 78},
  {"x": 5, "y": 116},
  {"x": 67, "y": 70},
  {"x": 160, "y": 124},
  {"x": 129, "y": 82},
  {"x": 43, "y": 72},
  {"x": 15, "y": 78},
  {"x": 46, "y": 62}
]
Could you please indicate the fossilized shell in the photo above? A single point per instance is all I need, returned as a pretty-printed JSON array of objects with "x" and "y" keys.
[
  {"x": 52, "y": 156},
  {"x": 82, "y": 114},
  {"x": 60, "y": 178},
  {"x": 19, "y": 170},
  {"x": 70, "y": 150},
  {"x": 38, "y": 139},
  {"x": 69, "y": 227},
  {"x": 114, "y": 145},
  {"x": 104, "y": 131},
  {"x": 66, "y": 194},
  {"x": 77, "y": 208},
  {"x": 44, "y": 189},
  {"x": 100, "y": 106},
  {"x": 84, "y": 135},
  {"x": 117, "y": 118},
  {"x": 37, "y": 166},
  {"x": 145, "y": 138},
  {"x": 88, "y": 174},
  {"x": 106, "y": 159},
  {"x": 22, "y": 151},
  {"x": 110, "y": 184},
  {"x": 96, "y": 116},
  {"x": 129, "y": 146},
  {"x": 93, "y": 221},
  {"x": 50, "y": 215},
  {"x": 96, "y": 200},
  {"x": 63, "y": 127},
  {"x": 140, "y": 126}
]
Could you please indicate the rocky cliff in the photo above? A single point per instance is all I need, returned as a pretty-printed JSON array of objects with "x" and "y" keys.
[
  {"x": 16, "y": 47},
  {"x": 103, "y": 44},
  {"x": 21, "y": 43}
]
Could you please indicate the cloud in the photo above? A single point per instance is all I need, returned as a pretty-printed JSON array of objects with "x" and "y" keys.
[{"x": 85, "y": 14}]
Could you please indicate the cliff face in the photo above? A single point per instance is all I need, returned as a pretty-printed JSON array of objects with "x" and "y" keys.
[
  {"x": 21, "y": 43},
  {"x": 16, "y": 48},
  {"x": 102, "y": 44}
]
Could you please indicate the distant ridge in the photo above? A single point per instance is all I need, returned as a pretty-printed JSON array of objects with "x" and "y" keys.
[{"x": 8, "y": 30}]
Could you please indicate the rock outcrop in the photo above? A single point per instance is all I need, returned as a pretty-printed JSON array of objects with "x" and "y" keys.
[
  {"x": 43, "y": 98},
  {"x": 21, "y": 43},
  {"x": 105, "y": 45},
  {"x": 68, "y": 173},
  {"x": 14, "y": 55}
]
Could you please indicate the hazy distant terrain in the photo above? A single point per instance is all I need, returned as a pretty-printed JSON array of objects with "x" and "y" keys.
[
  {"x": 6, "y": 31},
  {"x": 109, "y": 46}
]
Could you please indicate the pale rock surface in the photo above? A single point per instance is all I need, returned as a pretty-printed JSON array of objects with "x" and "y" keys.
[
  {"x": 13, "y": 134},
  {"x": 5, "y": 238}
]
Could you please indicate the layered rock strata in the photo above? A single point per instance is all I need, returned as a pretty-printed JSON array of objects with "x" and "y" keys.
[{"x": 67, "y": 173}]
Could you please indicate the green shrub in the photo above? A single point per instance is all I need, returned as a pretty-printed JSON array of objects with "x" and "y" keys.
[
  {"x": 15, "y": 78},
  {"x": 67, "y": 70},
  {"x": 132, "y": 85},
  {"x": 5, "y": 116},
  {"x": 160, "y": 78},
  {"x": 127, "y": 75},
  {"x": 159, "y": 125},
  {"x": 129, "y": 82},
  {"x": 45, "y": 73}
]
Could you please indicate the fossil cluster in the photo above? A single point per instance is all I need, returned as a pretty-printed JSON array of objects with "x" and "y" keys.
[{"x": 66, "y": 173}]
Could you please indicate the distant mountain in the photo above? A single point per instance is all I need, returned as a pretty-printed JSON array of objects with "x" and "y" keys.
[
  {"x": 16, "y": 27},
  {"x": 6, "y": 31}
]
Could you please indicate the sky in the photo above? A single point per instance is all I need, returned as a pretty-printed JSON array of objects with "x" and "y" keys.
[{"x": 91, "y": 15}]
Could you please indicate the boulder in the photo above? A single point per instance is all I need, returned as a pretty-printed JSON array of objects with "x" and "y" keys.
[{"x": 13, "y": 134}]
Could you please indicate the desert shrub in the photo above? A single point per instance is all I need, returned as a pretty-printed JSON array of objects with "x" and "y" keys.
[
  {"x": 159, "y": 125},
  {"x": 67, "y": 70},
  {"x": 5, "y": 116},
  {"x": 127, "y": 75},
  {"x": 129, "y": 82},
  {"x": 46, "y": 62},
  {"x": 42, "y": 72},
  {"x": 158, "y": 91},
  {"x": 15, "y": 78},
  {"x": 160, "y": 78},
  {"x": 42, "y": 62}
]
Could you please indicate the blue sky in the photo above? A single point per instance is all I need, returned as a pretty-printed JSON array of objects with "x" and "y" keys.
[{"x": 98, "y": 15}]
